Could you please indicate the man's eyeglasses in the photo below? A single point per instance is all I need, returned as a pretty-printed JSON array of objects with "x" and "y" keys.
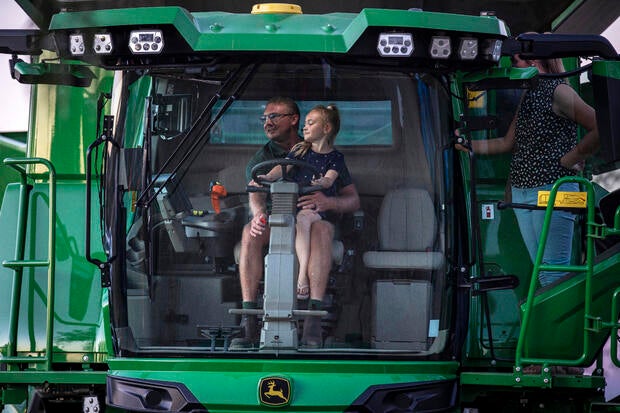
[{"x": 274, "y": 117}]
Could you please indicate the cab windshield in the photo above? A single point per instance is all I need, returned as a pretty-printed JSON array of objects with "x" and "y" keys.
[{"x": 185, "y": 133}]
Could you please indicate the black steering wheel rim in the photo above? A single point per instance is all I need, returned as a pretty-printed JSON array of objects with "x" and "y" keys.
[
  {"x": 286, "y": 175},
  {"x": 283, "y": 163}
]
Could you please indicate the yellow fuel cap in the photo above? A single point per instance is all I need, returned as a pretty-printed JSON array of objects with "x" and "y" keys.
[{"x": 276, "y": 8}]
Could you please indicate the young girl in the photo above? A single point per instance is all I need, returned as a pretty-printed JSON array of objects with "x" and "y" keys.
[{"x": 320, "y": 129}]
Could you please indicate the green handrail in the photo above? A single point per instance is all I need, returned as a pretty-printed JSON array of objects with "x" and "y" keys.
[
  {"x": 613, "y": 348},
  {"x": 539, "y": 266},
  {"x": 18, "y": 264}
]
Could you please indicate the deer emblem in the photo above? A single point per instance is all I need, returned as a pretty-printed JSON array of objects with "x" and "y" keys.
[{"x": 274, "y": 391}]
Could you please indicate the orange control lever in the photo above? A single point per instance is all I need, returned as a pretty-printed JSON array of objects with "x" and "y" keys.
[{"x": 217, "y": 191}]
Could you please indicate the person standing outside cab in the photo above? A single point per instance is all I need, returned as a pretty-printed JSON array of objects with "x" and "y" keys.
[
  {"x": 281, "y": 124},
  {"x": 543, "y": 138}
]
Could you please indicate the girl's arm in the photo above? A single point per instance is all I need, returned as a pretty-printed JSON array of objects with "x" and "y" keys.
[
  {"x": 275, "y": 173},
  {"x": 326, "y": 180}
]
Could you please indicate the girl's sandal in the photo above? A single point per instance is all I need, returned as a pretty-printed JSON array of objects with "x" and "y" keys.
[{"x": 303, "y": 292}]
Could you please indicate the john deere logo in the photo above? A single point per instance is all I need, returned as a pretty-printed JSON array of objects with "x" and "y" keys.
[{"x": 274, "y": 391}]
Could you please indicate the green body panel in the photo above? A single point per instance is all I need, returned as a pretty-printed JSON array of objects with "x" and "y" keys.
[
  {"x": 17, "y": 137},
  {"x": 64, "y": 123},
  {"x": 136, "y": 106},
  {"x": 513, "y": 392},
  {"x": 509, "y": 73},
  {"x": 606, "y": 69},
  {"x": 81, "y": 332},
  {"x": 563, "y": 309},
  {"x": 11, "y": 146},
  {"x": 332, "y": 33},
  {"x": 316, "y": 385},
  {"x": 35, "y": 377},
  {"x": 503, "y": 250},
  {"x": 504, "y": 254}
]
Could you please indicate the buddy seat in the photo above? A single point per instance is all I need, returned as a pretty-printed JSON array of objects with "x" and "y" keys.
[{"x": 407, "y": 229}]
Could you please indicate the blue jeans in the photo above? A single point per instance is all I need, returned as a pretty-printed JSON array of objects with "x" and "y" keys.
[{"x": 558, "y": 249}]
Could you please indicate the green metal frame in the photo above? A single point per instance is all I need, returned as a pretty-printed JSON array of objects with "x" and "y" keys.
[
  {"x": 614, "y": 326},
  {"x": 539, "y": 266},
  {"x": 591, "y": 323},
  {"x": 328, "y": 33},
  {"x": 18, "y": 264}
]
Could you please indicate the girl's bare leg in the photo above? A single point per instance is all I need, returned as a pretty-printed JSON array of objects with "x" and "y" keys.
[{"x": 305, "y": 218}]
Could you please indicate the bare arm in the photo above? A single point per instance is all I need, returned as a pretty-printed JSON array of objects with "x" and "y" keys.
[
  {"x": 348, "y": 200},
  {"x": 275, "y": 173},
  {"x": 495, "y": 145},
  {"x": 257, "y": 201},
  {"x": 258, "y": 207},
  {"x": 326, "y": 180},
  {"x": 567, "y": 103}
]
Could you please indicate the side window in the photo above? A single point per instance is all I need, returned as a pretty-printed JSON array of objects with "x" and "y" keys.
[{"x": 363, "y": 123}]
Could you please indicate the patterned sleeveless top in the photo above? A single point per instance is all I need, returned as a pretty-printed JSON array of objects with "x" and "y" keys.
[{"x": 541, "y": 139}]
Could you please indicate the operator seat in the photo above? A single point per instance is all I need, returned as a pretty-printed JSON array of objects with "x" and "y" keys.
[{"x": 407, "y": 228}]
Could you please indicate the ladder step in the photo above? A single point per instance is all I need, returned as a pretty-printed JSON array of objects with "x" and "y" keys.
[{"x": 25, "y": 263}]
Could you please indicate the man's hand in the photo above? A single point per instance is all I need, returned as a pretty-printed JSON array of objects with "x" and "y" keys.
[
  {"x": 317, "y": 202},
  {"x": 347, "y": 200},
  {"x": 258, "y": 225}
]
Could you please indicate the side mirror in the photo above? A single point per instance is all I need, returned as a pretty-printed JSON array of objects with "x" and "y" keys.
[
  {"x": 51, "y": 73},
  {"x": 171, "y": 115}
]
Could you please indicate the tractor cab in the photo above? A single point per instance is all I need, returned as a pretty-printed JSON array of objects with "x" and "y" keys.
[{"x": 390, "y": 263}]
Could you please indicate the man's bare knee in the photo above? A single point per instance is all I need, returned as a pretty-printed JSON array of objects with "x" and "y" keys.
[
  {"x": 251, "y": 243},
  {"x": 322, "y": 230}
]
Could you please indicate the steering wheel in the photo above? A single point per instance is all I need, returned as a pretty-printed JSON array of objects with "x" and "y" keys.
[{"x": 286, "y": 175}]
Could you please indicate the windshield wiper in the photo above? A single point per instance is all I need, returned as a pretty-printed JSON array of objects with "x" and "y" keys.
[{"x": 197, "y": 133}]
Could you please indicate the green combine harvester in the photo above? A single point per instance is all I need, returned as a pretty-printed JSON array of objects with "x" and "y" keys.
[{"x": 120, "y": 288}]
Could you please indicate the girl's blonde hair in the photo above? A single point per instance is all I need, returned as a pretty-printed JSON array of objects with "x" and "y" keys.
[{"x": 330, "y": 115}]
